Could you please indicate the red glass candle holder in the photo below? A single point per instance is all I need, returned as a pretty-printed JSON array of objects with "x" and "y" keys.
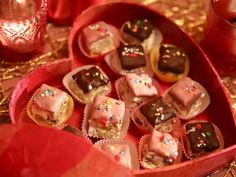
[
  {"x": 22, "y": 28},
  {"x": 220, "y": 36}
]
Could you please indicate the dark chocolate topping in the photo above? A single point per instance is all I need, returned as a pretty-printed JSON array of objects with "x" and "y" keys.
[
  {"x": 202, "y": 137},
  {"x": 73, "y": 130},
  {"x": 156, "y": 111},
  {"x": 172, "y": 59},
  {"x": 138, "y": 28},
  {"x": 131, "y": 56},
  {"x": 89, "y": 79}
]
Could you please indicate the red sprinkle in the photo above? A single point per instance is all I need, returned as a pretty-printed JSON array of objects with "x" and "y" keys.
[
  {"x": 103, "y": 122},
  {"x": 133, "y": 55},
  {"x": 101, "y": 29},
  {"x": 198, "y": 126},
  {"x": 162, "y": 138},
  {"x": 149, "y": 85},
  {"x": 117, "y": 157}
]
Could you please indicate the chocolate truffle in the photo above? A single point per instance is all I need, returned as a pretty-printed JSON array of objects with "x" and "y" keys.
[
  {"x": 138, "y": 28},
  {"x": 202, "y": 137},
  {"x": 131, "y": 56},
  {"x": 172, "y": 59},
  {"x": 90, "y": 79},
  {"x": 157, "y": 111}
]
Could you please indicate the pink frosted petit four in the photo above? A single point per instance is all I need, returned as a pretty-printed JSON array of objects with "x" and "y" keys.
[
  {"x": 106, "y": 118},
  {"x": 188, "y": 97},
  {"x": 135, "y": 89},
  {"x": 159, "y": 150},
  {"x": 98, "y": 39},
  {"x": 50, "y": 106},
  {"x": 141, "y": 85}
]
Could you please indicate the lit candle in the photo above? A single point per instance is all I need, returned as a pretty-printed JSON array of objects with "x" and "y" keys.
[{"x": 22, "y": 25}]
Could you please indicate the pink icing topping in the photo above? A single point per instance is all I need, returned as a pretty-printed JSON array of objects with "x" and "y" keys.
[
  {"x": 141, "y": 85},
  {"x": 120, "y": 152},
  {"x": 108, "y": 110},
  {"x": 163, "y": 144},
  {"x": 49, "y": 98},
  {"x": 95, "y": 32}
]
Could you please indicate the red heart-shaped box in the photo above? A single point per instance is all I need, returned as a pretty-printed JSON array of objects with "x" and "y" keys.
[{"x": 201, "y": 70}]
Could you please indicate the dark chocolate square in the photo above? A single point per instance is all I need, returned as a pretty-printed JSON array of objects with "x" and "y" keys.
[
  {"x": 202, "y": 137},
  {"x": 157, "y": 111},
  {"x": 131, "y": 56},
  {"x": 90, "y": 79},
  {"x": 172, "y": 59},
  {"x": 139, "y": 28}
]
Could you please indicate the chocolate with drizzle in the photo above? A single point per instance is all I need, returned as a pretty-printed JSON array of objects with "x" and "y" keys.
[
  {"x": 131, "y": 56},
  {"x": 202, "y": 137},
  {"x": 157, "y": 111},
  {"x": 138, "y": 28},
  {"x": 90, "y": 79},
  {"x": 172, "y": 59}
]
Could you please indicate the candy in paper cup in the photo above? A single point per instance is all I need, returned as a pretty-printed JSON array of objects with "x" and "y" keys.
[
  {"x": 126, "y": 94},
  {"x": 170, "y": 125},
  {"x": 113, "y": 33},
  {"x": 188, "y": 98},
  {"x": 160, "y": 161},
  {"x": 203, "y": 131},
  {"x": 77, "y": 93},
  {"x": 113, "y": 61},
  {"x": 98, "y": 129},
  {"x": 45, "y": 117},
  {"x": 123, "y": 151},
  {"x": 168, "y": 77},
  {"x": 155, "y": 37}
]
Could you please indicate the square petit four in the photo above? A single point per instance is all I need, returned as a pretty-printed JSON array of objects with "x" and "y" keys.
[
  {"x": 98, "y": 38},
  {"x": 172, "y": 59},
  {"x": 107, "y": 117},
  {"x": 139, "y": 29},
  {"x": 131, "y": 56},
  {"x": 50, "y": 106},
  {"x": 85, "y": 82},
  {"x": 201, "y": 138},
  {"x": 188, "y": 98},
  {"x": 159, "y": 114},
  {"x": 141, "y": 85},
  {"x": 186, "y": 92},
  {"x": 159, "y": 150},
  {"x": 134, "y": 89},
  {"x": 169, "y": 62}
]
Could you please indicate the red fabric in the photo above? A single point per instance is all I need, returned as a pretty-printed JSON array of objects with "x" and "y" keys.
[{"x": 33, "y": 151}]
